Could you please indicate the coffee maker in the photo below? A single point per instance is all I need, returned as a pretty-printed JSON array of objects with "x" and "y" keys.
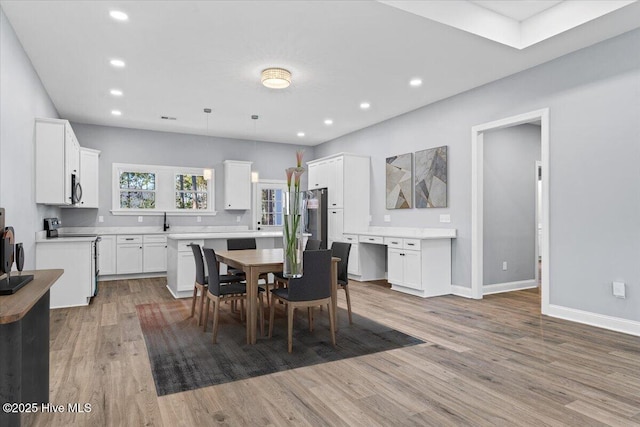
[{"x": 9, "y": 284}]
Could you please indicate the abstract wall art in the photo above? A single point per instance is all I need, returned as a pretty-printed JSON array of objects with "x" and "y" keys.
[
  {"x": 399, "y": 171},
  {"x": 431, "y": 178}
]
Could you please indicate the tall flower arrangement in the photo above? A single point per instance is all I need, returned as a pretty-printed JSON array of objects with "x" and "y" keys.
[{"x": 292, "y": 233}]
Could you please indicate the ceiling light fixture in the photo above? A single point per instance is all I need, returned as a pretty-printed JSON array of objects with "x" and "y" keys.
[
  {"x": 116, "y": 112},
  {"x": 365, "y": 105},
  {"x": 117, "y": 63},
  {"x": 415, "y": 82},
  {"x": 116, "y": 92},
  {"x": 328, "y": 122},
  {"x": 118, "y": 16},
  {"x": 300, "y": 134},
  {"x": 276, "y": 78}
]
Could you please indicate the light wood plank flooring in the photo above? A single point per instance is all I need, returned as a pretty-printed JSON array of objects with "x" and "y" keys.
[{"x": 490, "y": 362}]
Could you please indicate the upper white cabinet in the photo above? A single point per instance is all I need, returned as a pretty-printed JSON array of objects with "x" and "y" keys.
[
  {"x": 57, "y": 161},
  {"x": 89, "y": 164},
  {"x": 237, "y": 185},
  {"x": 346, "y": 177}
]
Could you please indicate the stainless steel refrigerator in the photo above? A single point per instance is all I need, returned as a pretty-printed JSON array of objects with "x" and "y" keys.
[{"x": 316, "y": 222}]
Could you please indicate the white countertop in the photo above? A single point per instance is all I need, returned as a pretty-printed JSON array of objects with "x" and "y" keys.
[
  {"x": 66, "y": 239},
  {"x": 223, "y": 235},
  {"x": 409, "y": 233}
]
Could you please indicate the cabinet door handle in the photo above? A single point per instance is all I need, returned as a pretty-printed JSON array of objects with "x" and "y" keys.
[
  {"x": 411, "y": 244},
  {"x": 371, "y": 240},
  {"x": 128, "y": 238},
  {"x": 395, "y": 243},
  {"x": 140, "y": 247}
]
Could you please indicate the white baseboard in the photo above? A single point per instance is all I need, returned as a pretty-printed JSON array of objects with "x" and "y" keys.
[
  {"x": 111, "y": 277},
  {"x": 617, "y": 324},
  {"x": 461, "y": 291},
  {"x": 181, "y": 294},
  {"x": 497, "y": 288}
]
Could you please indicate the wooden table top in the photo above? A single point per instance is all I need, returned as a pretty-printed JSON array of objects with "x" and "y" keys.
[
  {"x": 252, "y": 257},
  {"x": 15, "y": 307}
]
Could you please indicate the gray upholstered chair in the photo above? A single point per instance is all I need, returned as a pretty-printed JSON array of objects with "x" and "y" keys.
[
  {"x": 243, "y": 243},
  {"x": 312, "y": 289},
  {"x": 201, "y": 282},
  {"x": 218, "y": 292},
  {"x": 341, "y": 250},
  {"x": 279, "y": 279}
]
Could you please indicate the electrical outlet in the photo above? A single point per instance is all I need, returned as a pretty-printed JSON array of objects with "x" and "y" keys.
[
  {"x": 100, "y": 218},
  {"x": 504, "y": 265},
  {"x": 139, "y": 219},
  {"x": 387, "y": 218},
  {"x": 619, "y": 290},
  {"x": 198, "y": 219},
  {"x": 445, "y": 218}
]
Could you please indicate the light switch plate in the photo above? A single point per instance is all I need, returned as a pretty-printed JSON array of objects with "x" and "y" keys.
[
  {"x": 619, "y": 290},
  {"x": 100, "y": 218},
  {"x": 387, "y": 218},
  {"x": 198, "y": 219},
  {"x": 445, "y": 218},
  {"x": 238, "y": 218},
  {"x": 140, "y": 219}
]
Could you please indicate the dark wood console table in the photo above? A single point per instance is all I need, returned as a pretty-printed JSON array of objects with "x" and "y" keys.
[{"x": 24, "y": 344}]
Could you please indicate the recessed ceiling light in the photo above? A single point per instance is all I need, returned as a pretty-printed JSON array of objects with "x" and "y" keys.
[
  {"x": 117, "y": 63},
  {"x": 119, "y": 16},
  {"x": 365, "y": 105},
  {"x": 115, "y": 92},
  {"x": 415, "y": 82},
  {"x": 300, "y": 134},
  {"x": 116, "y": 112},
  {"x": 328, "y": 122}
]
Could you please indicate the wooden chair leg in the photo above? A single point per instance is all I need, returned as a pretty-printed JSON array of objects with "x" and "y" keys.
[
  {"x": 310, "y": 314},
  {"x": 193, "y": 301},
  {"x": 346, "y": 292},
  {"x": 290, "y": 327},
  {"x": 203, "y": 295},
  {"x": 206, "y": 315},
  {"x": 272, "y": 310},
  {"x": 332, "y": 325},
  {"x": 216, "y": 316}
]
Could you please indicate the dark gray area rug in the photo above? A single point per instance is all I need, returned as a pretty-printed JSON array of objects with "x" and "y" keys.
[{"x": 184, "y": 358}]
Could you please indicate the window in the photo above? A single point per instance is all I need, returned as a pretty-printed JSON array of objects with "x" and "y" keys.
[
  {"x": 191, "y": 192},
  {"x": 151, "y": 189},
  {"x": 268, "y": 203},
  {"x": 137, "y": 190}
]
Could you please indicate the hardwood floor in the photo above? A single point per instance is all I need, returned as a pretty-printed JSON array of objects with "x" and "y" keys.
[{"x": 490, "y": 362}]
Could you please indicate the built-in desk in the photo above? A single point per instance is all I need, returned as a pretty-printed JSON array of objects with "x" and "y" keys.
[
  {"x": 24, "y": 344},
  {"x": 416, "y": 261}
]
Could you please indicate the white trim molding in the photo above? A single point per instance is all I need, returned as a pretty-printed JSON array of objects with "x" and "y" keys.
[
  {"x": 497, "y": 288},
  {"x": 617, "y": 324},
  {"x": 477, "y": 197},
  {"x": 461, "y": 291}
]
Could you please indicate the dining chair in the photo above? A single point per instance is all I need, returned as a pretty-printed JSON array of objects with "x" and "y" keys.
[
  {"x": 313, "y": 288},
  {"x": 217, "y": 292},
  {"x": 341, "y": 250},
  {"x": 279, "y": 279},
  {"x": 243, "y": 243},
  {"x": 202, "y": 281}
]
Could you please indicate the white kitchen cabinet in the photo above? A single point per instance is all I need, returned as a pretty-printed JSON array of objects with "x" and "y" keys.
[
  {"x": 237, "y": 185},
  {"x": 107, "y": 255},
  {"x": 419, "y": 267},
  {"x": 181, "y": 267},
  {"x": 129, "y": 254},
  {"x": 154, "y": 253},
  {"x": 57, "y": 158},
  {"x": 353, "y": 267},
  {"x": 335, "y": 225},
  {"x": 89, "y": 172},
  {"x": 75, "y": 287},
  {"x": 346, "y": 177}
]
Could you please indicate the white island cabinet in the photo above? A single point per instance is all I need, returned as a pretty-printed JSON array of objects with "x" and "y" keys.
[{"x": 181, "y": 271}]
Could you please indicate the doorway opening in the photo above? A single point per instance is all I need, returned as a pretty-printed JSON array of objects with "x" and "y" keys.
[{"x": 540, "y": 117}]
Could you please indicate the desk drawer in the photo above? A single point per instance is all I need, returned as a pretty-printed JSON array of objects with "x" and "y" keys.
[
  {"x": 129, "y": 239},
  {"x": 412, "y": 244},
  {"x": 183, "y": 245},
  {"x": 350, "y": 238},
  {"x": 378, "y": 240},
  {"x": 154, "y": 238},
  {"x": 393, "y": 242}
]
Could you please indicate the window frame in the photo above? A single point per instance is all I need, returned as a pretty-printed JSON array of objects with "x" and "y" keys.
[
  {"x": 191, "y": 172},
  {"x": 257, "y": 200},
  {"x": 165, "y": 189}
]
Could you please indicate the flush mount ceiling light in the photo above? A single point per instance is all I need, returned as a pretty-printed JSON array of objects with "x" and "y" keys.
[
  {"x": 328, "y": 122},
  {"x": 118, "y": 63},
  {"x": 116, "y": 112},
  {"x": 276, "y": 78},
  {"x": 116, "y": 92},
  {"x": 118, "y": 16},
  {"x": 365, "y": 105},
  {"x": 415, "y": 82}
]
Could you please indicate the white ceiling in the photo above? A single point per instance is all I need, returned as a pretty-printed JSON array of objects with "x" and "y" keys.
[
  {"x": 518, "y": 10},
  {"x": 183, "y": 56}
]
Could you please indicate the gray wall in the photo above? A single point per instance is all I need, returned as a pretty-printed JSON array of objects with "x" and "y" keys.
[
  {"x": 22, "y": 99},
  {"x": 593, "y": 96},
  {"x": 121, "y": 145},
  {"x": 509, "y": 203}
]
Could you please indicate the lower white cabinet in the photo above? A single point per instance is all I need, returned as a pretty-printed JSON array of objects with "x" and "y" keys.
[
  {"x": 154, "y": 254},
  {"x": 129, "y": 254},
  {"x": 404, "y": 268},
  {"x": 354, "y": 255},
  {"x": 107, "y": 255},
  {"x": 335, "y": 226},
  {"x": 181, "y": 267}
]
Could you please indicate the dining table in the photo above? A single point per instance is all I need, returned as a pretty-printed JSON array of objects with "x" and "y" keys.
[{"x": 256, "y": 261}]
